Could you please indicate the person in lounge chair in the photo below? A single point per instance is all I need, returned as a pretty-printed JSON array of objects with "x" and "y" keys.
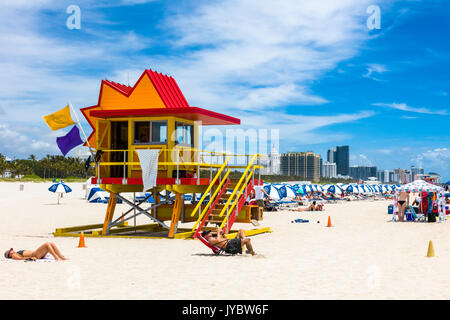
[
  {"x": 39, "y": 253},
  {"x": 232, "y": 246},
  {"x": 311, "y": 207}
]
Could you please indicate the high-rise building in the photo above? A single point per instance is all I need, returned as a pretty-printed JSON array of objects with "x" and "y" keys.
[
  {"x": 331, "y": 155},
  {"x": 415, "y": 172},
  {"x": 383, "y": 176},
  {"x": 301, "y": 164},
  {"x": 341, "y": 156},
  {"x": 320, "y": 167},
  {"x": 393, "y": 177},
  {"x": 362, "y": 172},
  {"x": 342, "y": 160},
  {"x": 271, "y": 163},
  {"x": 329, "y": 170},
  {"x": 401, "y": 174}
]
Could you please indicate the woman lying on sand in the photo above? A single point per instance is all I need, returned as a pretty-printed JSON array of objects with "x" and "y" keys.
[
  {"x": 311, "y": 207},
  {"x": 39, "y": 253}
]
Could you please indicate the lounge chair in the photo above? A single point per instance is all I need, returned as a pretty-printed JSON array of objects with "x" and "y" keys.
[
  {"x": 416, "y": 216},
  {"x": 214, "y": 249}
]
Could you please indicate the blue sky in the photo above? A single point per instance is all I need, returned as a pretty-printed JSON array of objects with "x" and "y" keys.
[{"x": 311, "y": 69}]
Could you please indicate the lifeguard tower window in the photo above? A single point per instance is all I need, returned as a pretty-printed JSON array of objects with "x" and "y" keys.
[
  {"x": 184, "y": 134},
  {"x": 150, "y": 132}
]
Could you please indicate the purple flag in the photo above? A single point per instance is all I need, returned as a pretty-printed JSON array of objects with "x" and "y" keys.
[{"x": 69, "y": 141}]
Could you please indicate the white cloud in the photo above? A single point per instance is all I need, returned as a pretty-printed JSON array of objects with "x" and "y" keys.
[
  {"x": 21, "y": 141},
  {"x": 262, "y": 53},
  {"x": 408, "y": 117},
  {"x": 230, "y": 56},
  {"x": 436, "y": 160},
  {"x": 375, "y": 68},
  {"x": 405, "y": 107}
]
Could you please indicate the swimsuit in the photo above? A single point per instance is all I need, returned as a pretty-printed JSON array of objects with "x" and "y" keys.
[
  {"x": 234, "y": 246},
  {"x": 20, "y": 252},
  {"x": 401, "y": 202}
]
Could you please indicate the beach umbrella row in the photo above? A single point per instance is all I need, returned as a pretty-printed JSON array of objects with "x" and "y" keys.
[{"x": 278, "y": 191}]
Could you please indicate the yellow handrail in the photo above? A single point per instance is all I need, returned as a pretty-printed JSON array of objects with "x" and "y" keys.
[
  {"x": 238, "y": 184},
  {"x": 211, "y": 200},
  {"x": 237, "y": 198},
  {"x": 209, "y": 187}
]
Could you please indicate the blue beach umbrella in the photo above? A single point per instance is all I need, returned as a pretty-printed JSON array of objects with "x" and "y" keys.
[
  {"x": 290, "y": 192},
  {"x": 319, "y": 188},
  {"x": 282, "y": 191},
  {"x": 331, "y": 189},
  {"x": 60, "y": 188},
  {"x": 272, "y": 191},
  {"x": 298, "y": 189}
]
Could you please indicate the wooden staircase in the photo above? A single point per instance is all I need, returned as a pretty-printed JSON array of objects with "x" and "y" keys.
[
  {"x": 226, "y": 201},
  {"x": 212, "y": 219}
]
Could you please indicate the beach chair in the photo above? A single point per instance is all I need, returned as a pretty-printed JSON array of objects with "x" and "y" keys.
[
  {"x": 416, "y": 216},
  {"x": 216, "y": 250}
]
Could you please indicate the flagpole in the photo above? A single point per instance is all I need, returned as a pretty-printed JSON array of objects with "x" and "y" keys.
[{"x": 81, "y": 128}]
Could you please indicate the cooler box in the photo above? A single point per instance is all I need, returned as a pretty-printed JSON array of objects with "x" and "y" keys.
[
  {"x": 409, "y": 216},
  {"x": 390, "y": 209}
]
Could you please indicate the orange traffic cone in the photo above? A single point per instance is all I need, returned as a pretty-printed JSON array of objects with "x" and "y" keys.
[
  {"x": 81, "y": 243},
  {"x": 329, "y": 222}
]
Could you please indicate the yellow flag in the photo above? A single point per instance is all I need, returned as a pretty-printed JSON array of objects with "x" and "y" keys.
[{"x": 60, "y": 119}]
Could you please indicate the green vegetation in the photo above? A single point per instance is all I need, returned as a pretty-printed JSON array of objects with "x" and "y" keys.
[{"x": 45, "y": 169}]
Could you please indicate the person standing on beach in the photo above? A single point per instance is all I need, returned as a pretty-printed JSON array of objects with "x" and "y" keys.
[
  {"x": 403, "y": 202},
  {"x": 259, "y": 197}
]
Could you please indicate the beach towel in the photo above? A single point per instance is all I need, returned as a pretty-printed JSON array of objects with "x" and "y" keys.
[{"x": 149, "y": 165}]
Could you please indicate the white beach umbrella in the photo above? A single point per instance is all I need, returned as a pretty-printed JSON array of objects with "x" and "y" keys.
[
  {"x": 60, "y": 188},
  {"x": 290, "y": 192},
  {"x": 272, "y": 191}
]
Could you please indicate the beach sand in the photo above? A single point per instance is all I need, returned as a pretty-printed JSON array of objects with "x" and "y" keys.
[{"x": 363, "y": 256}]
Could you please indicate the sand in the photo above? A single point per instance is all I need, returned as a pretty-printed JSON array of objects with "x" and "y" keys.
[{"x": 363, "y": 256}]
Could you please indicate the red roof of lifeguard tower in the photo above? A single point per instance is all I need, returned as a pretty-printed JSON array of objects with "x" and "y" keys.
[{"x": 154, "y": 94}]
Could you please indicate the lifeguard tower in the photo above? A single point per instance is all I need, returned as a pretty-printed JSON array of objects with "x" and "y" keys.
[{"x": 154, "y": 114}]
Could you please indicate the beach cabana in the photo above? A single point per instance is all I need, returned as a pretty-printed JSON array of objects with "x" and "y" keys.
[{"x": 420, "y": 186}]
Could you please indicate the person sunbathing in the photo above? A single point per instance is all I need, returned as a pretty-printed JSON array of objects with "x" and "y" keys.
[
  {"x": 311, "y": 207},
  {"x": 232, "y": 246},
  {"x": 39, "y": 253},
  {"x": 300, "y": 199}
]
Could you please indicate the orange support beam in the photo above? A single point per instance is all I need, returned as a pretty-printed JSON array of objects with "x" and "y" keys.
[
  {"x": 109, "y": 212},
  {"x": 175, "y": 214}
]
